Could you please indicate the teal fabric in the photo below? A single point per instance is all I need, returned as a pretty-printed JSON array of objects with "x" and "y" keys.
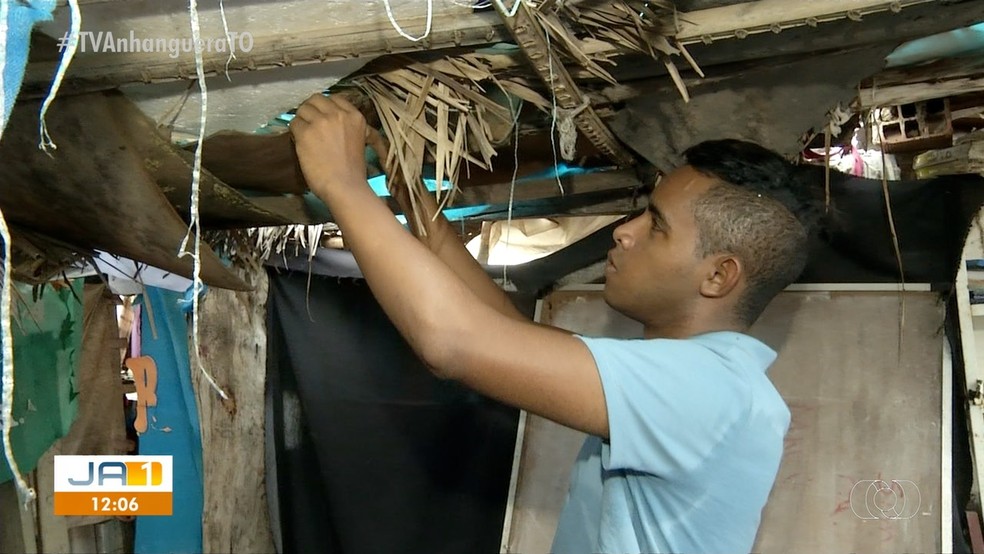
[
  {"x": 173, "y": 428},
  {"x": 696, "y": 436},
  {"x": 47, "y": 345}
]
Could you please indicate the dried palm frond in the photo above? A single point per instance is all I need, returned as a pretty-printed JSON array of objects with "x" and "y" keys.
[
  {"x": 434, "y": 112},
  {"x": 648, "y": 27},
  {"x": 251, "y": 247},
  {"x": 37, "y": 258}
]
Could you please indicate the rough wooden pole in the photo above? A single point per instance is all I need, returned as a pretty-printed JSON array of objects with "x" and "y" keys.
[{"x": 233, "y": 338}]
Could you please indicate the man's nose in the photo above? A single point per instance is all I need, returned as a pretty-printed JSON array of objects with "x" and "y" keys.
[{"x": 623, "y": 235}]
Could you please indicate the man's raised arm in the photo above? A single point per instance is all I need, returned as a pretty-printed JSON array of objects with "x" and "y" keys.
[
  {"x": 441, "y": 238},
  {"x": 457, "y": 334}
]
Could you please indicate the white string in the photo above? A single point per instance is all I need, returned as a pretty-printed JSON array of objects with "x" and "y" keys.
[
  {"x": 427, "y": 26},
  {"x": 476, "y": 5},
  {"x": 66, "y": 59},
  {"x": 232, "y": 47},
  {"x": 512, "y": 185},
  {"x": 511, "y": 11},
  {"x": 196, "y": 176},
  {"x": 25, "y": 492},
  {"x": 553, "y": 118}
]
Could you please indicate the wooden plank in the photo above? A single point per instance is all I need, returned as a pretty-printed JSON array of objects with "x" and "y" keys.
[
  {"x": 312, "y": 31},
  {"x": 917, "y": 92},
  {"x": 11, "y": 532},
  {"x": 971, "y": 336},
  {"x": 860, "y": 414},
  {"x": 83, "y": 539},
  {"x": 946, "y": 449},
  {"x": 741, "y": 20},
  {"x": 233, "y": 339},
  {"x": 52, "y": 529},
  {"x": 585, "y": 183},
  {"x": 282, "y": 34},
  {"x": 857, "y": 414},
  {"x": 30, "y": 523}
]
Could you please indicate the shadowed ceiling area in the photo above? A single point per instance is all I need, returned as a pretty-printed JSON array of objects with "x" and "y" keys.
[{"x": 585, "y": 101}]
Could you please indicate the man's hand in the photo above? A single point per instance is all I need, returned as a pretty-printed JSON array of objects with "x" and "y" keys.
[{"x": 330, "y": 136}]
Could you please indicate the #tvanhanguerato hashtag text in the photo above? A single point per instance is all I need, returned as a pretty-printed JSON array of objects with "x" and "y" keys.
[{"x": 105, "y": 41}]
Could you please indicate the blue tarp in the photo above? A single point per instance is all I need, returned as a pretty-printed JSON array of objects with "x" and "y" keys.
[
  {"x": 21, "y": 18},
  {"x": 173, "y": 428},
  {"x": 958, "y": 42}
]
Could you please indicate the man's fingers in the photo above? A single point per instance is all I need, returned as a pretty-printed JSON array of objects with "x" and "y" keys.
[
  {"x": 377, "y": 143},
  {"x": 318, "y": 102},
  {"x": 307, "y": 112},
  {"x": 342, "y": 104}
]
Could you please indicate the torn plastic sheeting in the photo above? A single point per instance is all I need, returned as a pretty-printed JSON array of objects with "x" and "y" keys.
[{"x": 47, "y": 348}]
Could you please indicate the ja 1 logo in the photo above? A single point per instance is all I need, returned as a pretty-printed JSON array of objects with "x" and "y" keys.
[
  {"x": 879, "y": 499},
  {"x": 113, "y": 485}
]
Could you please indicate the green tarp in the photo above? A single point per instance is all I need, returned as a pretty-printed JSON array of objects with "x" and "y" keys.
[{"x": 47, "y": 337}]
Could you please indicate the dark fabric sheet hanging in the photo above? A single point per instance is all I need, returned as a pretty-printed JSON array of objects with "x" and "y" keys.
[{"x": 373, "y": 454}]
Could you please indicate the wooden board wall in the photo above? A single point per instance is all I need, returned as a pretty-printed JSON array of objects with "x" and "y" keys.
[
  {"x": 233, "y": 339},
  {"x": 858, "y": 415}
]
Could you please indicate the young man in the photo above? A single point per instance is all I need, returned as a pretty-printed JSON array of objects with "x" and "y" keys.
[{"x": 685, "y": 428}]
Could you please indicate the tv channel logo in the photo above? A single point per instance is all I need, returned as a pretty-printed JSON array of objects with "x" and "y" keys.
[
  {"x": 880, "y": 499},
  {"x": 113, "y": 485}
]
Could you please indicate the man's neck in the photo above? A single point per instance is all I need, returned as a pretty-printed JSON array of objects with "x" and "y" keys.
[{"x": 689, "y": 329}]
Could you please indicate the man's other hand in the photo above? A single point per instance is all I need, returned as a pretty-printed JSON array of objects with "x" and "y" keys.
[{"x": 330, "y": 136}]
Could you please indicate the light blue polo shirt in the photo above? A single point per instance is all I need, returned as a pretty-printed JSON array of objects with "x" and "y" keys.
[{"x": 696, "y": 433}]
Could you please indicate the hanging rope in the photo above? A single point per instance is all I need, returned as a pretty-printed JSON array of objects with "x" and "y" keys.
[
  {"x": 430, "y": 15},
  {"x": 25, "y": 492},
  {"x": 512, "y": 184},
  {"x": 427, "y": 26},
  {"x": 511, "y": 11},
  {"x": 553, "y": 112},
  {"x": 73, "y": 43},
  {"x": 229, "y": 43},
  {"x": 567, "y": 130},
  {"x": 196, "y": 176}
]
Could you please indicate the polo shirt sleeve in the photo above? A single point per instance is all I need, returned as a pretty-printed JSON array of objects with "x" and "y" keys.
[{"x": 669, "y": 402}]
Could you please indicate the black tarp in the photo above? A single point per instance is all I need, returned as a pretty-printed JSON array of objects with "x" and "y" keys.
[{"x": 373, "y": 453}]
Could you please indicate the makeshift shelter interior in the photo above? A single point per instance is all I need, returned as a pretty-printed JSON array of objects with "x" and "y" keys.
[{"x": 536, "y": 127}]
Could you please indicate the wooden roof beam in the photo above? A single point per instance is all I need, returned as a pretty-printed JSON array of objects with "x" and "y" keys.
[
  {"x": 308, "y": 31},
  {"x": 292, "y": 33},
  {"x": 530, "y": 36},
  {"x": 741, "y": 20}
]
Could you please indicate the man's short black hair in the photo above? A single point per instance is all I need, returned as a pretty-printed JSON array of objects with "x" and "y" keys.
[{"x": 758, "y": 211}]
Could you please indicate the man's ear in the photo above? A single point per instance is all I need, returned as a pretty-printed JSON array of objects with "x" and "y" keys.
[{"x": 724, "y": 273}]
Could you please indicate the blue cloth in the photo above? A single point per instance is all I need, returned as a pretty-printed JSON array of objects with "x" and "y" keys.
[
  {"x": 173, "y": 428},
  {"x": 696, "y": 435},
  {"x": 21, "y": 18}
]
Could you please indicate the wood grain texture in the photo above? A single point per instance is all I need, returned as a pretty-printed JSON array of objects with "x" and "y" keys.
[
  {"x": 233, "y": 340},
  {"x": 858, "y": 415}
]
